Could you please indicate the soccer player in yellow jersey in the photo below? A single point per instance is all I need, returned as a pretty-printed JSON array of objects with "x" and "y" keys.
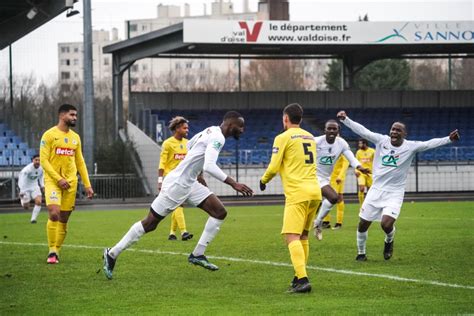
[
  {"x": 294, "y": 158},
  {"x": 365, "y": 155},
  {"x": 173, "y": 151},
  {"x": 61, "y": 159},
  {"x": 338, "y": 179}
]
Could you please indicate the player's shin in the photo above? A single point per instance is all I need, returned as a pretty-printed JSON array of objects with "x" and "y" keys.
[
  {"x": 325, "y": 208},
  {"x": 305, "y": 244},
  {"x": 35, "y": 213},
  {"x": 61, "y": 233},
  {"x": 180, "y": 221},
  {"x": 298, "y": 258},
  {"x": 51, "y": 228},
  {"x": 361, "y": 196},
  {"x": 361, "y": 242},
  {"x": 132, "y": 236},
  {"x": 340, "y": 212},
  {"x": 389, "y": 237},
  {"x": 210, "y": 231}
]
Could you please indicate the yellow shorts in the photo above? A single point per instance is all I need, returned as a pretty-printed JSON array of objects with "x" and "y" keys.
[
  {"x": 365, "y": 180},
  {"x": 299, "y": 217},
  {"x": 66, "y": 199},
  {"x": 339, "y": 188}
]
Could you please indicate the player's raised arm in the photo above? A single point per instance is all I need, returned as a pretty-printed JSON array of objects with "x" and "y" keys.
[
  {"x": 437, "y": 142},
  {"x": 359, "y": 129}
]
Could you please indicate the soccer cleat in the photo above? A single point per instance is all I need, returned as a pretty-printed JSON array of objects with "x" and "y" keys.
[
  {"x": 361, "y": 257},
  {"x": 300, "y": 286},
  {"x": 33, "y": 221},
  {"x": 186, "y": 236},
  {"x": 52, "y": 258},
  {"x": 172, "y": 237},
  {"x": 326, "y": 225},
  {"x": 202, "y": 261},
  {"x": 388, "y": 250},
  {"x": 337, "y": 226},
  {"x": 318, "y": 233},
  {"x": 109, "y": 264},
  {"x": 293, "y": 282}
]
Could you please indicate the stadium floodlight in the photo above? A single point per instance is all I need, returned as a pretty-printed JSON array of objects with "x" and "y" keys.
[{"x": 32, "y": 13}]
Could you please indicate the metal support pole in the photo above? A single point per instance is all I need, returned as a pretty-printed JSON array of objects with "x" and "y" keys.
[
  {"x": 11, "y": 77},
  {"x": 416, "y": 173},
  {"x": 450, "y": 73},
  {"x": 240, "y": 74},
  {"x": 237, "y": 162},
  {"x": 88, "y": 121},
  {"x": 117, "y": 86}
]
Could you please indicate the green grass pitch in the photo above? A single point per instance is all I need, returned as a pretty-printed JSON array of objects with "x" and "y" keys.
[{"x": 434, "y": 243}]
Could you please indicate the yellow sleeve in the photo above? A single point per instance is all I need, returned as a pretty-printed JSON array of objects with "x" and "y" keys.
[
  {"x": 164, "y": 155},
  {"x": 278, "y": 151},
  {"x": 345, "y": 165},
  {"x": 358, "y": 155},
  {"x": 81, "y": 166},
  {"x": 45, "y": 155}
]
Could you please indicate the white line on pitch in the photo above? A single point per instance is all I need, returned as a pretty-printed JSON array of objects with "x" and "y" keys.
[{"x": 270, "y": 263}]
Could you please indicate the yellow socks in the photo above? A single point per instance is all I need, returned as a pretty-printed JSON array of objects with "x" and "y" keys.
[
  {"x": 361, "y": 196},
  {"x": 305, "y": 244},
  {"x": 179, "y": 217},
  {"x": 340, "y": 212},
  {"x": 60, "y": 235},
  {"x": 327, "y": 218},
  {"x": 298, "y": 258},
  {"x": 174, "y": 224},
  {"x": 51, "y": 229}
]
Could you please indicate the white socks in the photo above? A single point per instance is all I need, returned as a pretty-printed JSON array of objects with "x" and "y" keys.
[
  {"x": 35, "y": 213},
  {"x": 131, "y": 237},
  {"x": 325, "y": 208},
  {"x": 389, "y": 236},
  {"x": 210, "y": 231},
  {"x": 361, "y": 241}
]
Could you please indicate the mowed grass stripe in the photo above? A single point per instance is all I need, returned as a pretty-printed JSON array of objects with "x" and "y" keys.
[{"x": 263, "y": 262}]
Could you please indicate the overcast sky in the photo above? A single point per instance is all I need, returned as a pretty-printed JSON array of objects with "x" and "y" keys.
[{"x": 37, "y": 52}]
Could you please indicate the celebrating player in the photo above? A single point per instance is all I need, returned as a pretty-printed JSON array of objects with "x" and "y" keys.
[
  {"x": 61, "y": 158},
  {"x": 31, "y": 183},
  {"x": 338, "y": 179},
  {"x": 329, "y": 147},
  {"x": 393, "y": 157},
  {"x": 294, "y": 157},
  {"x": 182, "y": 185},
  {"x": 365, "y": 155},
  {"x": 173, "y": 151}
]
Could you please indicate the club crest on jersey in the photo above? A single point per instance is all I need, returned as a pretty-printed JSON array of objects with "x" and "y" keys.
[
  {"x": 64, "y": 151},
  {"x": 390, "y": 160},
  {"x": 327, "y": 160},
  {"x": 216, "y": 145},
  {"x": 74, "y": 142},
  {"x": 275, "y": 150},
  {"x": 43, "y": 143},
  {"x": 66, "y": 140},
  {"x": 179, "y": 156}
]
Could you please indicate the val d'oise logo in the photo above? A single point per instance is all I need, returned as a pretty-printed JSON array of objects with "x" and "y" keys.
[
  {"x": 390, "y": 160},
  {"x": 251, "y": 36},
  {"x": 396, "y": 33},
  {"x": 326, "y": 160}
]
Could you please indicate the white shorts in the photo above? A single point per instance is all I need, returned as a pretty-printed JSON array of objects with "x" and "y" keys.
[
  {"x": 173, "y": 196},
  {"x": 378, "y": 203},
  {"x": 323, "y": 182},
  {"x": 29, "y": 195}
]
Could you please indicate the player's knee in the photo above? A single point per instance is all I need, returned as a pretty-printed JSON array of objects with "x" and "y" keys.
[
  {"x": 221, "y": 213},
  {"x": 387, "y": 227},
  {"x": 361, "y": 189},
  {"x": 333, "y": 199},
  {"x": 54, "y": 217}
]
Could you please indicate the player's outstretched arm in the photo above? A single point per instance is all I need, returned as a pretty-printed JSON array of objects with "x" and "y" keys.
[
  {"x": 239, "y": 187},
  {"x": 359, "y": 129},
  {"x": 437, "y": 142}
]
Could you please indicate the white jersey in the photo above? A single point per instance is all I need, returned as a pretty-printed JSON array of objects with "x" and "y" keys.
[
  {"x": 391, "y": 163},
  {"x": 29, "y": 177},
  {"x": 203, "y": 151},
  {"x": 329, "y": 153}
]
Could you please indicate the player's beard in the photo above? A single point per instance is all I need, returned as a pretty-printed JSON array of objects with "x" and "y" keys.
[{"x": 71, "y": 123}]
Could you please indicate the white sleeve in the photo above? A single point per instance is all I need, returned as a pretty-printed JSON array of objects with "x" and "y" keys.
[
  {"x": 41, "y": 179},
  {"x": 210, "y": 158},
  {"x": 349, "y": 155},
  {"x": 362, "y": 131},
  {"x": 430, "y": 144},
  {"x": 21, "y": 180}
]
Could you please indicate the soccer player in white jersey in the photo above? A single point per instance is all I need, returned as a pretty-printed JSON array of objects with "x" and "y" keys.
[
  {"x": 31, "y": 183},
  {"x": 328, "y": 148},
  {"x": 182, "y": 185},
  {"x": 393, "y": 157}
]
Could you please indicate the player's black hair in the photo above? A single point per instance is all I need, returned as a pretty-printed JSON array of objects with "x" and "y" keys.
[
  {"x": 66, "y": 108},
  {"x": 403, "y": 123},
  {"x": 294, "y": 112},
  {"x": 34, "y": 156},
  {"x": 332, "y": 121},
  {"x": 176, "y": 122},
  {"x": 364, "y": 141},
  {"x": 232, "y": 115}
]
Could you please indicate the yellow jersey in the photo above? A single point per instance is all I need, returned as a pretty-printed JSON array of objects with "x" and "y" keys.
[
  {"x": 173, "y": 152},
  {"x": 340, "y": 168},
  {"x": 294, "y": 157},
  {"x": 366, "y": 157},
  {"x": 61, "y": 157}
]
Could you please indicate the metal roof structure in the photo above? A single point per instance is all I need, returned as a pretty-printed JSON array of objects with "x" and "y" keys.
[
  {"x": 14, "y": 23},
  {"x": 168, "y": 43}
]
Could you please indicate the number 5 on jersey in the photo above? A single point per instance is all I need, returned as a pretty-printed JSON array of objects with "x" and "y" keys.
[{"x": 308, "y": 153}]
